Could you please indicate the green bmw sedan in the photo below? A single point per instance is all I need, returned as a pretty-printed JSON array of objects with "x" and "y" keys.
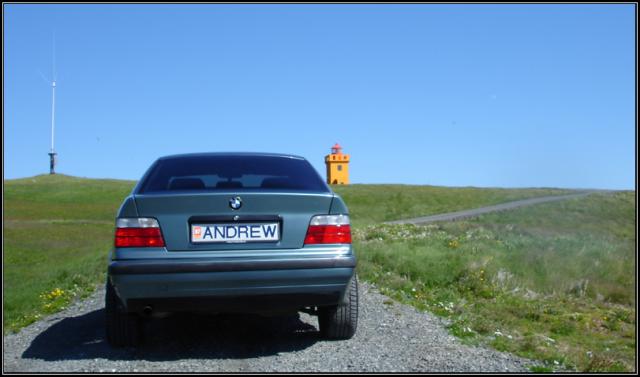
[{"x": 231, "y": 233}]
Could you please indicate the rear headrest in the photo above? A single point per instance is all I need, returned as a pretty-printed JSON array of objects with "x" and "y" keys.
[
  {"x": 186, "y": 184},
  {"x": 275, "y": 183},
  {"x": 229, "y": 184}
]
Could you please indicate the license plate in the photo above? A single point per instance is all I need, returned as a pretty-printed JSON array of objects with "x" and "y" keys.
[{"x": 235, "y": 233}]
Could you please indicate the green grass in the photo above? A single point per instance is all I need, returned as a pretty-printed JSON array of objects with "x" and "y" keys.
[
  {"x": 553, "y": 282},
  {"x": 57, "y": 233},
  {"x": 369, "y": 204},
  {"x": 63, "y": 197}
]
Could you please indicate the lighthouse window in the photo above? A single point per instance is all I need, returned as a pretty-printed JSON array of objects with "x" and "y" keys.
[{"x": 339, "y": 167}]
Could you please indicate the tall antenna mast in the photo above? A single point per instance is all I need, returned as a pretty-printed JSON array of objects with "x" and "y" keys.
[{"x": 52, "y": 153}]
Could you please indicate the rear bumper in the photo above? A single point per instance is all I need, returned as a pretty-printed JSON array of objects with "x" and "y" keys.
[
  {"x": 163, "y": 266},
  {"x": 231, "y": 285},
  {"x": 240, "y": 304}
]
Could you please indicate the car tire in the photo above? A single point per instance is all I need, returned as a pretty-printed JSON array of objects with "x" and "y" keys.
[
  {"x": 123, "y": 329},
  {"x": 340, "y": 321}
]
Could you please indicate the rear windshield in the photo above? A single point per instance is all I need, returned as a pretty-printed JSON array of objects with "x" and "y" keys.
[{"x": 236, "y": 173}]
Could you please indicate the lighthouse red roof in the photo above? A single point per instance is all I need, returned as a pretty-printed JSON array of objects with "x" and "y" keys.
[{"x": 336, "y": 146}]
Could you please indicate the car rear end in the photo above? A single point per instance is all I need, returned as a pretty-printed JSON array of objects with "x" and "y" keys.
[{"x": 231, "y": 233}]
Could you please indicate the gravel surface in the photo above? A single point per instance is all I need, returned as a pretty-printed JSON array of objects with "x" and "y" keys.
[{"x": 391, "y": 337}]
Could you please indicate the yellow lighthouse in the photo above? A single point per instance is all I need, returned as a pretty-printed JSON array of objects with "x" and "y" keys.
[{"x": 337, "y": 166}]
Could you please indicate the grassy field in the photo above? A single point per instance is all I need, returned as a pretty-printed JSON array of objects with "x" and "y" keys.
[
  {"x": 63, "y": 197},
  {"x": 58, "y": 230},
  {"x": 554, "y": 282},
  {"x": 369, "y": 204}
]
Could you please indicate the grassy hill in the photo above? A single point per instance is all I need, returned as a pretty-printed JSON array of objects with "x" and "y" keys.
[
  {"x": 63, "y": 197},
  {"x": 561, "y": 271}
]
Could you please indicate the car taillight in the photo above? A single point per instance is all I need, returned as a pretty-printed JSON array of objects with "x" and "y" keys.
[
  {"x": 328, "y": 229},
  {"x": 138, "y": 232}
]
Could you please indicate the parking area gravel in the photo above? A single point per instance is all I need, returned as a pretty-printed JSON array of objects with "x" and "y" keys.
[{"x": 391, "y": 337}]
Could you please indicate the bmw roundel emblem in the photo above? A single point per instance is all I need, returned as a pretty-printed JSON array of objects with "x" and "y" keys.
[{"x": 235, "y": 202}]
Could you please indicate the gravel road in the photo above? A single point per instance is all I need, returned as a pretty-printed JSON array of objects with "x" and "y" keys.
[
  {"x": 391, "y": 337},
  {"x": 499, "y": 207}
]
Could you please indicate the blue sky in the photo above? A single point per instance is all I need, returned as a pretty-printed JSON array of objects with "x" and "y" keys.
[{"x": 455, "y": 95}]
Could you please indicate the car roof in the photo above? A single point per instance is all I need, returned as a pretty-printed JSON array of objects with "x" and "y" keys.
[{"x": 232, "y": 154}]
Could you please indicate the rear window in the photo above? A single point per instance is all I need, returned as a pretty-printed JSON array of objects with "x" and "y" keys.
[{"x": 236, "y": 173}]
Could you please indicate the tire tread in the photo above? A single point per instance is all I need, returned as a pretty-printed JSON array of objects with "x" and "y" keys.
[
  {"x": 122, "y": 329},
  {"x": 341, "y": 321}
]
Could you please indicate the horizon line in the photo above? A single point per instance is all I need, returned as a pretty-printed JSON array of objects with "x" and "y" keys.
[{"x": 360, "y": 183}]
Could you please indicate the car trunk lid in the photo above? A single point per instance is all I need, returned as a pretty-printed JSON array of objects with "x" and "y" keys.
[{"x": 176, "y": 212}]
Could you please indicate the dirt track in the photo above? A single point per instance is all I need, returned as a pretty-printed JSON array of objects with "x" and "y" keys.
[{"x": 499, "y": 207}]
